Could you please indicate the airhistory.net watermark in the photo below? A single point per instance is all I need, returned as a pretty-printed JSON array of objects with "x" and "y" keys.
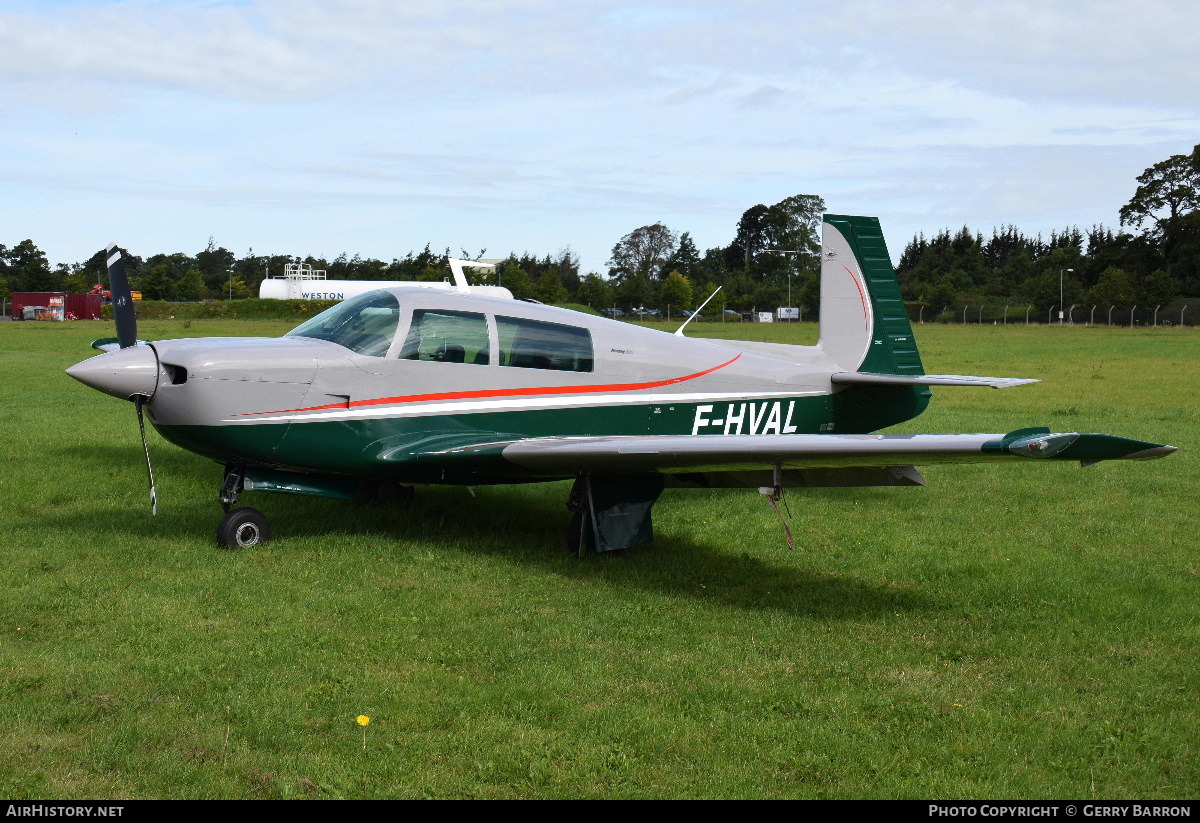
[{"x": 50, "y": 810}]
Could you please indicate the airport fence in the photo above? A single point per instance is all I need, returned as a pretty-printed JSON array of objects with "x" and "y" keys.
[{"x": 1176, "y": 313}]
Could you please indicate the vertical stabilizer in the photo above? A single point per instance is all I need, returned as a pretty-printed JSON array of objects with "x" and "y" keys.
[{"x": 864, "y": 323}]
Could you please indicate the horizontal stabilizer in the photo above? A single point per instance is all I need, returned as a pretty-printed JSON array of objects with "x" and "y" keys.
[
  {"x": 868, "y": 378},
  {"x": 112, "y": 344},
  {"x": 677, "y": 453}
]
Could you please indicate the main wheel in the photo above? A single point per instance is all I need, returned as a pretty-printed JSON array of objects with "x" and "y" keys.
[{"x": 243, "y": 528}]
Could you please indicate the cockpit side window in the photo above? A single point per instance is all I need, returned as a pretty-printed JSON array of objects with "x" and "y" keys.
[
  {"x": 447, "y": 337},
  {"x": 365, "y": 324},
  {"x": 532, "y": 344}
]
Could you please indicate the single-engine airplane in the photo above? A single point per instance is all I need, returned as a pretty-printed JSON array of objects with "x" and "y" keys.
[{"x": 405, "y": 386}]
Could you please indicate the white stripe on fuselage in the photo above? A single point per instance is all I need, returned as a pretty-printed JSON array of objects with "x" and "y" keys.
[{"x": 382, "y": 412}]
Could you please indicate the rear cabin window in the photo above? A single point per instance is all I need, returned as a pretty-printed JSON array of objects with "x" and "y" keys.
[
  {"x": 447, "y": 337},
  {"x": 365, "y": 324},
  {"x": 532, "y": 344}
]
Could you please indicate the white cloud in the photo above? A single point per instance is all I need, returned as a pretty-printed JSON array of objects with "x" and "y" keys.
[
  {"x": 217, "y": 51},
  {"x": 597, "y": 116},
  {"x": 1045, "y": 49}
]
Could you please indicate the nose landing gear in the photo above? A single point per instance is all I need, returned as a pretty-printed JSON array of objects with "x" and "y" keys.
[{"x": 244, "y": 527}]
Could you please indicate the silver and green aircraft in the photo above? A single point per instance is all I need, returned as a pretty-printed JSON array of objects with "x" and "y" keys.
[{"x": 404, "y": 386}]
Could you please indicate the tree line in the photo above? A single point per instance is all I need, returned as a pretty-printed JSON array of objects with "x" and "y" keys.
[
  {"x": 1155, "y": 262},
  {"x": 772, "y": 260},
  {"x": 1154, "y": 259},
  {"x": 216, "y": 273}
]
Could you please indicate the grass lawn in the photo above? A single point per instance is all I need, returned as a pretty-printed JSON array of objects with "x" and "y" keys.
[{"x": 1025, "y": 631}]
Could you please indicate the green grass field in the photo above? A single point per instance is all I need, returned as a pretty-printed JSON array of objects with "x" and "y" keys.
[{"x": 1007, "y": 632}]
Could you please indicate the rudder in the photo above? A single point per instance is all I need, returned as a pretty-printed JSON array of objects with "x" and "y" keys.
[{"x": 864, "y": 322}]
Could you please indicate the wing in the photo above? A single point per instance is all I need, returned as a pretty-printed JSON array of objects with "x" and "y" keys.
[
  {"x": 718, "y": 453},
  {"x": 870, "y": 378}
]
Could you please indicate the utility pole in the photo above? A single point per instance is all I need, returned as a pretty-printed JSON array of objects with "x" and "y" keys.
[{"x": 787, "y": 251}]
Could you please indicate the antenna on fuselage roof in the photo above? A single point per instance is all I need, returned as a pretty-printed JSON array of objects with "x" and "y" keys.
[
  {"x": 457, "y": 266},
  {"x": 679, "y": 331}
]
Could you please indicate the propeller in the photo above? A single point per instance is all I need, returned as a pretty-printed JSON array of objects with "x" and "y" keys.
[
  {"x": 126, "y": 320},
  {"x": 122, "y": 300}
]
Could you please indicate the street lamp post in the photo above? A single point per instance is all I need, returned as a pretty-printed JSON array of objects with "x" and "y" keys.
[{"x": 1060, "y": 292}]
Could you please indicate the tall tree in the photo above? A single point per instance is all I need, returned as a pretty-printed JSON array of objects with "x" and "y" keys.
[
  {"x": 567, "y": 263},
  {"x": 641, "y": 255},
  {"x": 252, "y": 268},
  {"x": 155, "y": 282},
  {"x": 751, "y": 236},
  {"x": 76, "y": 283},
  {"x": 29, "y": 268},
  {"x": 550, "y": 288},
  {"x": 685, "y": 259},
  {"x": 794, "y": 223},
  {"x": 95, "y": 268},
  {"x": 676, "y": 293},
  {"x": 791, "y": 228},
  {"x": 1172, "y": 184},
  {"x": 215, "y": 264},
  {"x": 517, "y": 280},
  {"x": 191, "y": 287},
  {"x": 595, "y": 291},
  {"x": 1114, "y": 288}
]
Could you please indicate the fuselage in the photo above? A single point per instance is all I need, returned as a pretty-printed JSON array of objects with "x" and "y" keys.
[{"x": 415, "y": 385}]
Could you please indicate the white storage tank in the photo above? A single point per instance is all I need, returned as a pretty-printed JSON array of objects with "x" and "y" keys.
[{"x": 302, "y": 282}]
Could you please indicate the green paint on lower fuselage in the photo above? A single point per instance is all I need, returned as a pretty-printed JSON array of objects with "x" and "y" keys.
[{"x": 465, "y": 448}]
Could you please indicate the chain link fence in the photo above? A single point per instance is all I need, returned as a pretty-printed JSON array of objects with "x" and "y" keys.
[{"x": 1177, "y": 313}]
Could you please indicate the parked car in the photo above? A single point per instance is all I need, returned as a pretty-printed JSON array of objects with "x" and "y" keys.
[{"x": 613, "y": 312}]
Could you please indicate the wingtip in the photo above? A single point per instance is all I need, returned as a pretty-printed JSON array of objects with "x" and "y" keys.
[{"x": 1152, "y": 453}]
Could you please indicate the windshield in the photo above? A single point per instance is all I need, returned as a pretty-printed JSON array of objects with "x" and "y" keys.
[{"x": 365, "y": 324}]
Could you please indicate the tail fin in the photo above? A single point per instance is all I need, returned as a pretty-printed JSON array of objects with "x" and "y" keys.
[{"x": 864, "y": 323}]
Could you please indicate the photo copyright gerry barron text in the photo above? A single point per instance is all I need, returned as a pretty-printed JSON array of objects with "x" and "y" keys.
[{"x": 1062, "y": 810}]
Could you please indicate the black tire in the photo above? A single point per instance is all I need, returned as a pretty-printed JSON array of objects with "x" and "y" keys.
[{"x": 243, "y": 528}]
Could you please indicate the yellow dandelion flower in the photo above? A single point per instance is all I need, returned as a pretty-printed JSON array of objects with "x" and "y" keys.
[{"x": 363, "y": 720}]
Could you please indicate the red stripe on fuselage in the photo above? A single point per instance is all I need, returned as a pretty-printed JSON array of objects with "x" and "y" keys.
[{"x": 522, "y": 392}]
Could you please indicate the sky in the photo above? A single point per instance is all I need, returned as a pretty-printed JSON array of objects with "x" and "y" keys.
[{"x": 373, "y": 127}]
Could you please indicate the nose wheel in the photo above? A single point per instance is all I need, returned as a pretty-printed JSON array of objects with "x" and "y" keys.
[{"x": 243, "y": 528}]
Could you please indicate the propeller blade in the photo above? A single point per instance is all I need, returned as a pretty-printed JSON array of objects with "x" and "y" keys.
[
  {"x": 122, "y": 301},
  {"x": 138, "y": 400}
]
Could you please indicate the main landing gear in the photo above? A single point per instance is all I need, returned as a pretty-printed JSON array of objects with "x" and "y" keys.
[
  {"x": 244, "y": 527},
  {"x": 610, "y": 513}
]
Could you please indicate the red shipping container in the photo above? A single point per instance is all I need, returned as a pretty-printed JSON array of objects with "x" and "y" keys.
[
  {"x": 84, "y": 306},
  {"x": 21, "y": 299}
]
